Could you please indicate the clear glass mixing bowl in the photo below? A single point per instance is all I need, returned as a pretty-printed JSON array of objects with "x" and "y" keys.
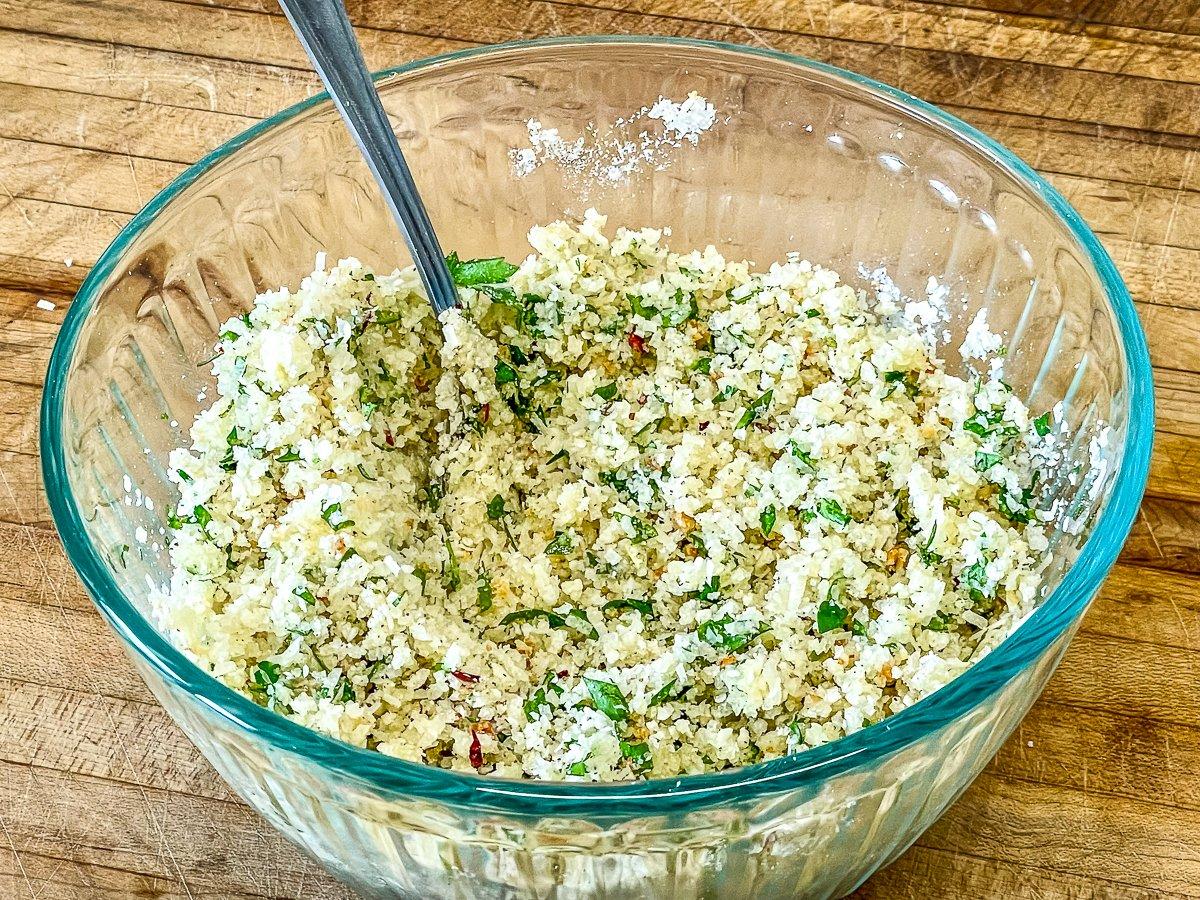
[{"x": 802, "y": 156}]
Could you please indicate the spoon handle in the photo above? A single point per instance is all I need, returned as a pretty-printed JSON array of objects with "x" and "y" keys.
[{"x": 325, "y": 31}]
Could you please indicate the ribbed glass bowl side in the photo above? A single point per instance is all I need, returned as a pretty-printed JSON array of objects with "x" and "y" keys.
[{"x": 813, "y": 159}]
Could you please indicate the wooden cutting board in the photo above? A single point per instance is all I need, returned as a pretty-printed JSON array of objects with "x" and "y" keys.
[{"x": 102, "y": 103}]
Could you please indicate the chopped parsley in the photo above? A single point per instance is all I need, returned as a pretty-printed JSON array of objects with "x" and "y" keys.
[
  {"x": 716, "y": 633},
  {"x": 562, "y": 544},
  {"x": 766, "y": 520},
  {"x": 709, "y": 591},
  {"x": 906, "y": 380},
  {"x": 638, "y": 755},
  {"x": 1042, "y": 424},
  {"x": 505, "y": 374},
  {"x": 607, "y": 391},
  {"x": 483, "y": 589},
  {"x": 474, "y": 272},
  {"x": 618, "y": 606},
  {"x": 662, "y": 694},
  {"x": 608, "y": 699},
  {"x": 985, "y": 460},
  {"x": 335, "y": 518},
  {"x": 642, "y": 531},
  {"x": 553, "y": 619},
  {"x": 832, "y": 510},
  {"x": 451, "y": 575},
  {"x": 754, "y": 410},
  {"x": 831, "y": 616}
]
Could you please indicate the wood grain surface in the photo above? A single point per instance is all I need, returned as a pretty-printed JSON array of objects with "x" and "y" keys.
[{"x": 1097, "y": 794}]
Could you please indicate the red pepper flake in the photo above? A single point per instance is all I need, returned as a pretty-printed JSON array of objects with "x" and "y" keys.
[
  {"x": 702, "y": 426},
  {"x": 420, "y": 384},
  {"x": 465, "y": 676},
  {"x": 563, "y": 674},
  {"x": 476, "y": 756},
  {"x": 637, "y": 342},
  {"x": 388, "y": 438}
]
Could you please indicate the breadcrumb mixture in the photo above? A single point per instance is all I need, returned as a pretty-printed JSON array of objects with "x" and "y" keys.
[{"x": 626, "y": 513}]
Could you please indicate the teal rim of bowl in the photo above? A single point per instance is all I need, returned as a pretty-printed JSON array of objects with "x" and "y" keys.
[{"x": 621, "y": 800}]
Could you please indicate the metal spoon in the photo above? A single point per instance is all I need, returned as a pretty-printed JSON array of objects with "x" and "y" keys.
[{"x": 328, "y": 38}]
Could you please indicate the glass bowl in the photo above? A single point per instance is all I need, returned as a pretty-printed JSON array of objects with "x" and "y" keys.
[{"x": 802, "y": 157}]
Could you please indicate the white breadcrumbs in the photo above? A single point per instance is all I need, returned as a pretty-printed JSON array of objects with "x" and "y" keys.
[{"x": 625, "y": 513}]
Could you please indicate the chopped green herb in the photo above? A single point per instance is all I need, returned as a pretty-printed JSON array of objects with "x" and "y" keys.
[
  {"x": 229, "y": 335},
  {"x": 908, "y": 380},
  {"x": 351, "y": 552},
  {"x": 579, "y": 769},
  {"x": 642, "y": 606},
  {"x": 483, "y": 588},
  {"x": 710, "y": 591},
  {"x": 364, "y": 473},
  {"x": 830, "y": 616},
  {"x": 368, "y": 402},
  {"x": 202, "y": 517},
  {"x": 561, "y": 545},
  {"x": 344, "y": 692},
  {"x": 662, "y": 694},
  {"x": 681, "y": 312},
  {"x": 644, "y": 432},
  {"x": 927, "y": 555},
  {"x": 473, "y": 272},
  {"x": 1042, "y": 424},
  {"x": 984, "y": 460},
  {"x": 578, "y": 620},
  {"x": 857, "y": 628},
  {"x": 505, "y": 374},
  {"x": 450, "y": 571},
  {"x": 940, "y": 622},
  {"x": 289, "y": 455},
  {"x": 766, "y": 520},
  {"x": 642, "y": 531},
  {"x": 334, "y": 518},
  {"x": 642, "y": 309},
  {"x": 534, "y": 704},
  {"x": 553, "y": 619},
  {"x": 638, "y": 754},
  {"x": 607, "y": 391},
  {"x": 435, "y": 491},
  {"x": 803, "y": 458},
  {"x": 812, "y": 313},
  {"x": 796, "y": 730},
  {"x": 1013, "y": 508},
  {"x": 608, "y": 699},
  {"x": 561, "y": 454},
  {"x": 832, "y": 510},
  {"x": 495, "y": 508},
  {"x": 306, "y": 595},
  {"x": 231, "y": 440},
  {"x": 266, "y": 673},
  {"x": 716, "y": 633},
  {"x": 703, "y": 364},
  {"x": 754, "y": 410},
  {"x": 974, "y": 578}
]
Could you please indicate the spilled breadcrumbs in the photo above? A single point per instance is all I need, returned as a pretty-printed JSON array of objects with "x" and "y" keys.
[{"x": 625, "y": 513}]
